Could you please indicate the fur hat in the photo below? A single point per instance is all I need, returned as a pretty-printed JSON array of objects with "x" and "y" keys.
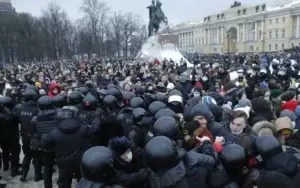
[
  {"x": 283, "y": 123},
  {"x": 264, "y": 128}
]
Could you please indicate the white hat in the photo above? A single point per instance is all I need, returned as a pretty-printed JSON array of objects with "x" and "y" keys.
[
  {"x": 170, "y": 86},
  {"x": 175, "y": 98},
  {"x": 245, "y": 109}
]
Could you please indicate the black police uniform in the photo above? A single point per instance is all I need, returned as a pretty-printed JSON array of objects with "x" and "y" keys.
[
  {"x": 43, "y": 123},
  {"x": 69, "y": 140},
  {"x": 24, "y": 113},
  {"x": 90, "y": 114},
  {"x": 9, "y": 138}
]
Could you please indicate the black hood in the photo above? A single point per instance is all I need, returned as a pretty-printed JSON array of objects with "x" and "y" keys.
[{"x": 202, "y": 110}]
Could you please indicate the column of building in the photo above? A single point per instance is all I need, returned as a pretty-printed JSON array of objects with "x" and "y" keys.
[
  {"x": 218, "y": 36},
  {"x": 238, "y": 33},
  {"x": 255, "y": 31},
  {"x": 244, "y": 32},
  {"x": 297, "y": 25}
]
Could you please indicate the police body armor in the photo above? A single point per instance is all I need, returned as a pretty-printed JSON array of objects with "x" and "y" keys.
[
  {"x": 45, "y": 121},
  {"x": 26, "y": 112}
]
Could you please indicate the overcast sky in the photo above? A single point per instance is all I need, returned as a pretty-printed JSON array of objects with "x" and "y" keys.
[{"x": 176, "y": 10}]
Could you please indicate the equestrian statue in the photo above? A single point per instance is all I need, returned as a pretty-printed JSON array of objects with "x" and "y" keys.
[{"x": 156, "y": 16}]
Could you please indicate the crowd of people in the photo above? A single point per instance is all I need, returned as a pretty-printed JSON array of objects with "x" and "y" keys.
[{"x": 154, "y": 125}]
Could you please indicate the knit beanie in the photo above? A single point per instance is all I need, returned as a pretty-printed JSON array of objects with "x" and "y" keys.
[
  {"x": 275, "y": 93},
  {"x": 244, "y": 103},
  {"x": 289, "y": 114}
]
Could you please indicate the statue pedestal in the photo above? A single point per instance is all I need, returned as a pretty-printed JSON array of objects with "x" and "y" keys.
[{"x": 161, "y": 46}]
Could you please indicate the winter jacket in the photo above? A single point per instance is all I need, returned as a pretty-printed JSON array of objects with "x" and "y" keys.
[
  {"x": 51, "y": 88},
  {"x": 69, "y": 140}
]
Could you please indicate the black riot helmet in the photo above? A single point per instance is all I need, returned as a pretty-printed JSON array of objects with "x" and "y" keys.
[
  {"x": 115, "y": 92},
  {"x": 161, "y": 97},
  {"x": 6, "y": 102},
  {"x": 138, "y": 114},
  {"x": 136, "y": 102},
  {"x": 165, "y": 112},
  {"x": 234, "y": 159},
  {"x": 59, "y": 100},
  {"x": 31, "y": 87},
  {"x": 275, "y": 65},
  {"x": 155, "y": 107},
  {"x": 75, "y": 98},
  {"x": 266, "y": 147},
  {"x": 109, "y": 100},
  {"x": 45, "y": 103},
  {"x": 127, "y": 96},
  {"x": 97, "y": 165},
  {"x": 30, "y": 95},
  {"x": 89, "y": 102},
  {"x": 83, "y": 90},
  {"x": 89, "y": 84},
  {"x": 165, "y": 126},
  {"x": 163, "y": 158}
]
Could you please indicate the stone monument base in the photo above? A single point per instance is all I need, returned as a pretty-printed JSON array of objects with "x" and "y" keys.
[{"x": 161, "y": 46}]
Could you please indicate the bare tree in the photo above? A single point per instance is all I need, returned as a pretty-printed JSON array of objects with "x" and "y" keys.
[
  {"x": 56, "y": 26},
  {"x": 95, "y": 19},
  {"x": 117, "y": 31},
  {"x": 131, "y": 24}
]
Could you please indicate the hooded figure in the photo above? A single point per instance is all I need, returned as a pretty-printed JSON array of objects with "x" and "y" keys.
[
  {"x": 201, "y": 112},
  {"x": 54, "y": 89}
]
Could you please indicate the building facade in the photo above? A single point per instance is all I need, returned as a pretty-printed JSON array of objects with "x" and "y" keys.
[
  {"x": 6, "y": 6},
  {"x": 243, "y": 28}
]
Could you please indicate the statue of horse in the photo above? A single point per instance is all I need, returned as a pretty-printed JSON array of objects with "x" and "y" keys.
[{"x": 157, "y": 18}]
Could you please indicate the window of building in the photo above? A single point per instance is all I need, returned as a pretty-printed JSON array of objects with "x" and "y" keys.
[
  {"x": 252, "y": 35},
  {"x": 276, "y": 46},
  {"x": 215, "y": 50},
  {"x": 270, "y": 21},
  {"x": 292, "y": 45},
  {"x": 221, "y": 50},
  {"x": 270, "y": 34},
  {"x": 283, "y": 19},
  {"x": 283, "y": 33},
  {"x": 277, "y": 20},
  {"x": 251, "y": 48},
  {"x": 257, "y": 48},
  {"x": 282, "y": 46},
  {"x": 276, "y": 34},
  {"x": 270, "y": 47}
]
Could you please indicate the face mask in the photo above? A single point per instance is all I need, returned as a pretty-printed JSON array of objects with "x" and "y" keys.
[
  {"x": 55, "y": 91},
  {"x": 196, "y": 94},
  {"x": 237, "y": 133}
]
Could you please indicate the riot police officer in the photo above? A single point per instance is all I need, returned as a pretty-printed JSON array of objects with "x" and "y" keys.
[
  {"x": 9, "y": 139},
  {"x": 91, "y": 115},
  {"x": 24, "y": 113},
  {"x": 43, "y": 123},
  {"x": 98, "y": 171}
]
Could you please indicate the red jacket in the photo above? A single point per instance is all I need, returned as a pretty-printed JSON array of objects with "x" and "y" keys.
[
  {"x": 51, "y": 87},
  {"x": 156, "y": 62}
]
